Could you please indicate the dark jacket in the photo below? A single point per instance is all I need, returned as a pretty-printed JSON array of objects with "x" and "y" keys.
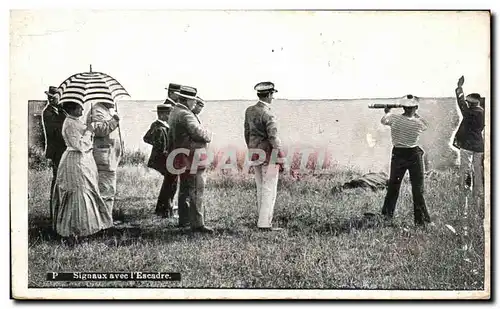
[
  {"x": 261, "y": 130},
  {"x": 53, "y": 119},
  {"x": 469, "y": 134},
  {"x": 157, "y": 136},
  {"x": 186, "y": 132}
]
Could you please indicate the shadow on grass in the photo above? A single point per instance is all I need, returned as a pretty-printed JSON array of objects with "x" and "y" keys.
[
  {"x": 139, "y": 224},
  {"x": 118, "y": 235},
  {"x": 40, "y": 229},
  {"x": 127, "y": 233},
  {"x": 357, "y": 223},
  {"x": 335, "y": 226}
]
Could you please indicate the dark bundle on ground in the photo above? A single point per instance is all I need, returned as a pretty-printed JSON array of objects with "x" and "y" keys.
[{"x": 372, "y": 181}]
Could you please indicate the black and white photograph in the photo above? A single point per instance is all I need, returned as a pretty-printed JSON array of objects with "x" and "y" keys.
[{"x": 250, "y": 154}]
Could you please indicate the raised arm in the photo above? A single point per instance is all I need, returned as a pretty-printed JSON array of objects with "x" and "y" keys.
[
  {"x": 387, "y": 118},
  {"x": 101, "y": 126},
  {"x": 459, "y": 92},
  {"x": 76, "y": 140},
  {"x": 424, "y": 125}
]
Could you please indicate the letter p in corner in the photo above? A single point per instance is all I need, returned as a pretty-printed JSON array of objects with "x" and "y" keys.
[{"x": 52, "y": 276}]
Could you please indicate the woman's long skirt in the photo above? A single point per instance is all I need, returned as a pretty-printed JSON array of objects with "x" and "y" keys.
[{"x": 78, "y": 209}]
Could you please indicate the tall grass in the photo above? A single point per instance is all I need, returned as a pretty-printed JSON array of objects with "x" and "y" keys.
[
  {"x": 36, "y": 158},
  {"x": 327, "y": 241},
  {"x": 133, "y": 158}
]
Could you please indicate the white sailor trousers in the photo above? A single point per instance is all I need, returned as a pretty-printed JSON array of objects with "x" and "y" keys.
[
  {"x": 266, "y": 179},
  {"x": 471, "y": 163}
]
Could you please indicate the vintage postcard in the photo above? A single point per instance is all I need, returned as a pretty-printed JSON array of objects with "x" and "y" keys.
[{"x": 250, "y": 154}]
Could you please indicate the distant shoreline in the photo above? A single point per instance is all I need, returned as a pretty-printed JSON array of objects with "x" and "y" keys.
[
  {"x": 299, "y": 100},
  {"x": 293, "y": 100}
]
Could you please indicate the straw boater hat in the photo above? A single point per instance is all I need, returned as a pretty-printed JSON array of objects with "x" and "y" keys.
[
  {"x": 409, "y": 101},
  {"x": 163, "y": 108},
  {"x": 187, "y": 92},
  {"x": 264, "y": 87},
  {"x": 173, "y": 87}
]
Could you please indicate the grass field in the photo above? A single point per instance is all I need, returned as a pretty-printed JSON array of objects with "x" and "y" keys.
[{"x": 327, "y": 242}]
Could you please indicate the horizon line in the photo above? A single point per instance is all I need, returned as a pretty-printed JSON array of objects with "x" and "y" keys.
[
  {"x": 280, "y": 99},
  {"x": 287, "y": 99}
]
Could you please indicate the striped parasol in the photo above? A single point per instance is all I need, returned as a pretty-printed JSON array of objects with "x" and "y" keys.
[{"x": 90, "y": 87}]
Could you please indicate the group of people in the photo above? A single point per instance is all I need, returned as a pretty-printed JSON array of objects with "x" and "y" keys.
[
  {"x": 85, "y": 155},
  {"x": 408, "y": 155},
  {"x": 178, "y": 126}
]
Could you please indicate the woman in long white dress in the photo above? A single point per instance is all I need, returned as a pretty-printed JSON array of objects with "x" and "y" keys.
[{"x": 79, "y": 209}]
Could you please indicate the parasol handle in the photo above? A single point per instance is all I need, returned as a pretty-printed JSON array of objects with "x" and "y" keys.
[
  {"x": 119, "y": 131},
  {"x": 91, "y": 118}
]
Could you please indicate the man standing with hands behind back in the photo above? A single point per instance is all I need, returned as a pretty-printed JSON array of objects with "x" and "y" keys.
[{"x": 261, "y": 132}]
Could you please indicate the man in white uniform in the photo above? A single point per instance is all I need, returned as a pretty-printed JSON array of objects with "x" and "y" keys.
[{"x": 261, "y": 132}]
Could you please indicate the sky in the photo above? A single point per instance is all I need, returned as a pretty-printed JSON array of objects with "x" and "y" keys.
[{"x": 307, "y": 54}]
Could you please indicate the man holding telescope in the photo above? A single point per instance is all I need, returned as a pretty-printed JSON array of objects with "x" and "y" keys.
[{"x": 406, "y": 155}]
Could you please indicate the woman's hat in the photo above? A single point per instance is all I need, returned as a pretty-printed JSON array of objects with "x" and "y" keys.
[
  {"x": 187, "y": 92},
  {"x": 52, "y": 91},
  {"x": 264, "y": 87},
  {"x": 163, "y": 108},
  {"x": 65, "y": 102}
]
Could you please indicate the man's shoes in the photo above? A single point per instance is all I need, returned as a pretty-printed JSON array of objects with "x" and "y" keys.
[
  {"x": 270, "y": 229},
  {"x": 204, "y": 229}
]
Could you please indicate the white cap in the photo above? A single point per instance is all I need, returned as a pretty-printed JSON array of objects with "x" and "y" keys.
[{"x": 409, "y": 101}]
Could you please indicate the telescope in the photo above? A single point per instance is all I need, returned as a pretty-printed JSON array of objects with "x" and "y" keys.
[{"x": 379, "y": 105}]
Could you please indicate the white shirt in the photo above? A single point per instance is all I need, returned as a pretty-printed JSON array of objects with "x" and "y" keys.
[{"x": 75, "y": 134}]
